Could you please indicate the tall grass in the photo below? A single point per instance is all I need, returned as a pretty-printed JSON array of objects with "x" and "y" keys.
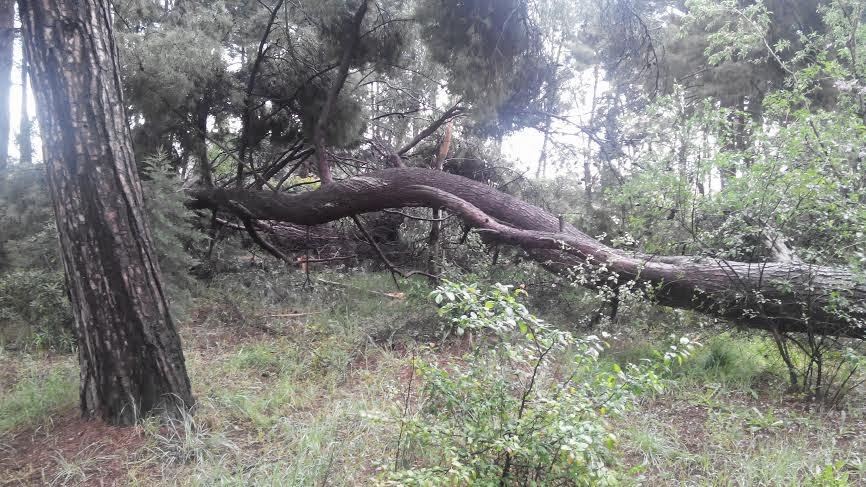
[{"x": 39, "y": 395}]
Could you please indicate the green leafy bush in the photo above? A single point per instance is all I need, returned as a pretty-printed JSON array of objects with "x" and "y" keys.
[
  {"x": 470, "y": 307},
  {"x": 530, "y": 409}
]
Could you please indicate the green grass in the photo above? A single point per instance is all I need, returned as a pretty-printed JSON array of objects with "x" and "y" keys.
[
  {"x": 289, "y": 409},
  {"x": 38, "y": 395},
  {"x": 260, "y": 357},
  {"x": 290, "y": 406},
  {"x": 728, "y": 450},
  {"x": 329, "y": 446},
  {"x": 733, "y": 360},
  {"x": 725, "y": 420},
  {"x": 301, "y": 423}
]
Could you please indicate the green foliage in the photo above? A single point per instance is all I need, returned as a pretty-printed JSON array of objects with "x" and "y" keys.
[
  {"x": 175, "y": 237},
  {"x": 34, "y": 309},
  {"x": 784, "y": 168},
  {"x": 492, "y": 51},
  {"x": 531, "y": 409},
  {"x": 733, "y": 181},
  {"x": 732, "y": 360},
  {"x": 173, "y": 59},
  {"x": 735, "y": 31},
  {"x": 34, "y": 306},
  {"x": 474, "y": 308},
  {"x": 823, "y": 368},
  {"x": 381, "y": 45},
  {"x": 724, "y": 173},
  {"x": 833, "y": 475},
  {"x": 28, "y": 237},
  {"x": 35, "y": 302}
]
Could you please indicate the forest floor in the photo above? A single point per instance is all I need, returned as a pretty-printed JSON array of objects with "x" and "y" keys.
[{"x": 284, "y": 389}]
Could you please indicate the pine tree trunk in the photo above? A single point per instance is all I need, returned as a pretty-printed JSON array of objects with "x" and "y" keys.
[
  {"x": 129, "y": 351},
  {"x": 204, "y": 170},
  {"x": 434, "y": 244},
  {"x": 25, "y": 126},
  {"x": 587, "y": 160},
  {"x": 7, "y": 38}
]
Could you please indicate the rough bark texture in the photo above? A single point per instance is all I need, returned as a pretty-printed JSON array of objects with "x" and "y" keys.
[
  {"x": 7, "y": 37},
  {"x": 129, "y": 351},
  {"x": 788, "y": 295}
]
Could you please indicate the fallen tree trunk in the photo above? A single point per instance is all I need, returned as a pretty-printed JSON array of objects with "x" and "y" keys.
[
  {"x": 783, "y": 296},
  {"x": 332, "y": 242}
]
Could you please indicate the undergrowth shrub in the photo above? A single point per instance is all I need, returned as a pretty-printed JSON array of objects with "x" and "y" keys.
[
  {"x": 175, "y": 238},
  {"x": 826, "y": 369},
  {"x": 34, "y": 311},
  {"x": 529, "y": 405},
  {"x": 28, "y": 237},
  {"x": 34, "y": 308},
  {"x": 35, "y": 303}
]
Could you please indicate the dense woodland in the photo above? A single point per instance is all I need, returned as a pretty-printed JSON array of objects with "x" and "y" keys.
[{"x": 432, "y": 242}]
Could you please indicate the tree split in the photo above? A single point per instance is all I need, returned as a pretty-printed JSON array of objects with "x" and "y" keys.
[{"x": 778, "y": 296}]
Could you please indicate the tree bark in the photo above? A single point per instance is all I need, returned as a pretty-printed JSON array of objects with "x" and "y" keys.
[
  {"x": 129, "y": 351},
  {"x": 7, "y": 39},
  {"x": 791, "y": 296},
  {"x": 204, "y": 170},
  {"x": 433, "y": 244},
  {"x": 25, "y": 125}
]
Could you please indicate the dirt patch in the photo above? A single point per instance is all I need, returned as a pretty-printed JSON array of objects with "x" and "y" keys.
[
  {"x": 691, "y": 422},
  {"x": 71, "y": 452}
]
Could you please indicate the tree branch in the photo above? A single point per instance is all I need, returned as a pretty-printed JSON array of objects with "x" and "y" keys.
[
  {"x": 248, "y": 97},
  {"x": 349, "y": 44},
  {"x": 433, "y": 127},
  {"x": 394, "y": 270},
  {"x": 793, "y": 296}
]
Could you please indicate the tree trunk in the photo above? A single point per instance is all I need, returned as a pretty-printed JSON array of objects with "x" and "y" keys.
[
  {"x": 7, "y": 39},
  {"x": 789, "y": 295},
  {"x": 204, "y": 170},
  {"x": 433, "y": 244},
  {"x": 25, "y": 125},
  {"x": 587, "y": 159},
  {"x": 128, "y": 348}
]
